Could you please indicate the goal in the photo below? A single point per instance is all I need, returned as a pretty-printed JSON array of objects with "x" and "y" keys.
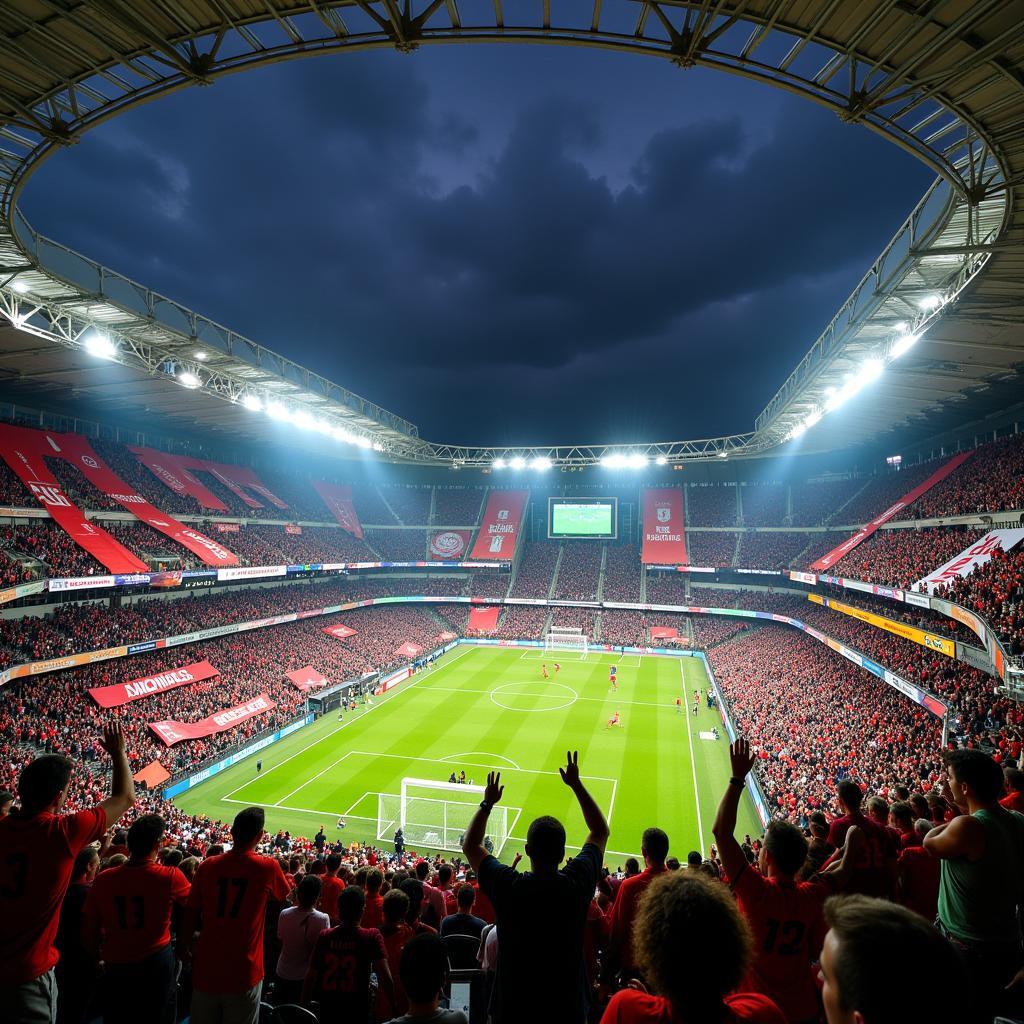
[
  {"x": 559, "y": 639},
  {"x": 437, "y": 814}
]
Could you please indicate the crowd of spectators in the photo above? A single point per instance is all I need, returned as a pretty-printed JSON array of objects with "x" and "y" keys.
[
  {"x": 458, "y": 506},
  {"x": 666, "y": 588},
  {"x": 579, "y": 571},
  {"x": 774, "y": 550},
  {"x": 370, "y": 506},
  {"x": 399, "y": 545},
  {"x": 763, "y": 504},
  {"x": 882, "y": 491},
  {"x": 628, "y": 629},
  {"x": 715, "y": 548},
  {"x": 819, "y": 501},
  {"x": 818, "y": 545},
  {"x": 622, "y": 573},
  {"x": 409, "y": 502},
  {"x": 536, "y": 567},
  {"x": 711, "y": 505},
  {"x": 899, "y": 558},
  {"x": 521, "y": 621}
]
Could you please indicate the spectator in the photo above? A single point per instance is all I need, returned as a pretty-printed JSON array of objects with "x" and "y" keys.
[
  {"x": 867, "y": 938},
  {"x": 6, "y": 803},
  {"x": 344, "y": 994},
  {"x": 76, "y": 968},
  {"x": 551, "y": 956},
  {"x": 654, "y": 849},
  {"x": 37, "y": 855},
  {"x": 331, "y": 886},
  {"x": 373, "y": 912},
  {"x": 128, "y": 925},
  {"x": 1014, "y": 799},
  {"x": 874, "y": 871},
  {"x": 396, "y": 933},
  {"x": 298, "y": 928},
  {"x": 228, "y": 906},
  {"x": 917, "y": 874},
  {"x": 424, "y": 972},
  {"x": 693, "y": 948},
  {"x": 464, "y": 921},
  {"x": 982, "y": 880}
]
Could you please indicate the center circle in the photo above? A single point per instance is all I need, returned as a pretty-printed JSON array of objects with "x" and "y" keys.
[{"x": 534, "y": 696}]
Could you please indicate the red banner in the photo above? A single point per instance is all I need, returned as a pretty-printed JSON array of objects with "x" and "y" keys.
[
  {"x": 227, "y": 527},
  {"x": 170, "y": 471},
  {"x": 152, "y": 775},
  {"x": 79, "y": 453},
  {"x": 663, "y": 632},
  {"x": 827, "y": 561},
  {"x": 503, "y": 519},
  {"x": 238, "y": 479},
  {"x": 340, "y": 631},
  {"x": 293, "y": 529},
  {"x": 449, "y": 545},
  {"x": 306, "y": 678},
  {"x": 483, "y": 619},
  {"x": 409, "y": 650},
  {"x": 145, "y": 686},
  {"x": 24, "y": 450},
  {"x": 664, "y": 527},
  {"x": 338, "y": 498},
  {"x": 171, "y": 732}
]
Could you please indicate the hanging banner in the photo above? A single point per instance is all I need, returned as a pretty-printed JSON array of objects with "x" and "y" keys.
[
  {"x": 306, "y": 679},
  {"x": 152, "y": 775},
  {"x": 338, "y": 498},
  {"x": 170, "y": 471},
  {"x": 145, "y": 686},
  {"x": 449, "y": 545},
  {"x": 24, "y": 450},
  {"x": 664, "y": 527},
  {"x": 171, "y": 732},
  {"x": 664, "y": 633},
  {"x": 239, "y": 479},
  {"x": 227, "y": 527},
  {"x": 77, "y": 451},
  {"x": 503, "y": 519},
  {"x": 339, "y": 631},
  {"x": 293, "y": 529},
  {"x": 483, "y": 619},
  {"x": 409, "y": 650},
  {"x": 827, "y": 561},
  {"x": 970, "y": 558}
]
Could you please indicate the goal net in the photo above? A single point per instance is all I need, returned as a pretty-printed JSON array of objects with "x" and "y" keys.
[
  {"x": 437, "y": 814},
  {"x": 566, "y": 640}
]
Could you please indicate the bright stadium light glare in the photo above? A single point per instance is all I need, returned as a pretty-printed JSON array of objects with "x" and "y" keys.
[
  {"x": 518, "y": 462},
  {"x": 341, "y": 434},
  {"x": 377, "y": 446},
  {"x": 870, "y": 371},
  {"x": 614, "y": 460},
  {"x": 303, "y": 420},
  {"x": 252, "y": 403},
  {"x": 20, "y": 287},
  {"x": 797, "y": 431},
  {"x": 813, "y": 418},
  {"x": 661, "y": 460},
  {"x": 277, "y": 411},
  {"x": 903, "y": 344},
  {"x": 187, "y": 379},
  {"x": 930, "y": 302},
  {"x": 200, "y": 355},
  {"x": 498, "y": 464},
  {"x": 324, "y": 426},
  {"x": 901, "y": 326},
  {"x": 637, "y": 461},
  {"x": 99, "y": 345},
  {"x": 364, "y": 442},
  {"x": 541, "y": 463},
  {"x": 723, "y": 455}
]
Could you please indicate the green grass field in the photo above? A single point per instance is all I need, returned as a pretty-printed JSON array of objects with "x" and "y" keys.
[{"x": 483, "y": 708}]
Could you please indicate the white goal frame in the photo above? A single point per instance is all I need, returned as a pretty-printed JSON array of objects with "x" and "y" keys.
[
  {"x": 436, "y": 822},
  {"x": 566, "y": 639}
]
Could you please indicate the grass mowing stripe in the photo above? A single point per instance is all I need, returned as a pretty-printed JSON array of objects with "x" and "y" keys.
[{"x": 693, "y": 769}]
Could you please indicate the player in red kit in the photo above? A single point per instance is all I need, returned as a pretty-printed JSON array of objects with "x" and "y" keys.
[
  {"x": 784, "y": 915},
  {"x": 557, "y": 668},
  {"x": 544, "y": 670},
  {"x": 228, "y": 907},
  {"x": 614, "y": 720}
]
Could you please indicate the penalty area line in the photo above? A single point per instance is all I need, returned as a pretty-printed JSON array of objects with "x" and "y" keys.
[{"x": 693, "y": 766}]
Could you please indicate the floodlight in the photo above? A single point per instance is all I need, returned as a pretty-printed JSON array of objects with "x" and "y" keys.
[
  {"x": 541, "y": 463},
  {"x": 661, "y": 460},
  {"x": 364, "y": 442},
  {"x": 637, "y": 461},
  {"x": 930, "y": 302},
  {"x": 99, "y": 345},
  {"x": 277, "y": 411},
  {"x": 498, "y": 464},
  {"x": 614, "y": 460},
  {"x": 900, "y": 326},
  {"x": 324, "y": 426},
  {"x": 377, "y": 446},
  {"x": 812, "y": 419},
  {"x": 252, "y": 403},
  {"x": 723, "y": 455},
  {"x": 187, "y": 379},
  {"x": 518, "y": 462},
  {"x": 904, "y": 343},
  {"x": 797, "y": 430},
  {"x": 303, "y": 420},
  {"x": 200, "y": 355},
  {"x": 870, "y": 370},
  {"x": 341, "y": 434},
  {"x": 20, "y": 287}
]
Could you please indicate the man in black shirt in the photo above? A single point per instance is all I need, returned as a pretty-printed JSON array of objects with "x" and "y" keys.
[{"x": 541, "y": 914}]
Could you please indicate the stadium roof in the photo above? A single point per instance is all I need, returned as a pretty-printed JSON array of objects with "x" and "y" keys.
[{"x": 943, "y": 80}]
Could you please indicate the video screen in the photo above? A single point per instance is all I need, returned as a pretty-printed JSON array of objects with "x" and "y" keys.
[{"x": 582, "y": 517}]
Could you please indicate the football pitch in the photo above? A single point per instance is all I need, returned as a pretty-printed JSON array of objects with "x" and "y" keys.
[{"x": 483, "y": 708}]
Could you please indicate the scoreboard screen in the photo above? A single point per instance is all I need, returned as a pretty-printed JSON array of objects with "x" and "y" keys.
[{"x": 582, "y": 517}]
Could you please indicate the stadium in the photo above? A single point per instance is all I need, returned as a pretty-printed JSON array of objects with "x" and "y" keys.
[{"x": 285, "y": 686}]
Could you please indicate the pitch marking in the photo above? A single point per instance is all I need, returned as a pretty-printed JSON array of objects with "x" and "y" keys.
[
  {"x": 693, "y": 763},
  {"x": 484, "y": 753},
  {"x": 568, "y": 701}
]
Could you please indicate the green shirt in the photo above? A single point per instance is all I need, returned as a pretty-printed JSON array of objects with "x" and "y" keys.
[{"x": 978, "y": 899}]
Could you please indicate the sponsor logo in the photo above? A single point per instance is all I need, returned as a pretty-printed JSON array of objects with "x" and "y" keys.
[
  {"x": 129, "y": 499},
  {"x": 496, "y": 543},
  {"x": 149, "y": 645},
  {"x": 664, "y": 513},
  {"x": 89, "y": 461},
  {"x": 154, "y": 684},
  {"x": 502, "y": 513},
  {"x": 448, "y": 545},
  {"x": 49, "y": 494}
]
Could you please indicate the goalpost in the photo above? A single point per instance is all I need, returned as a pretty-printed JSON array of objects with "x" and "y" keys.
[
  {"x": 566, "y": 639},
  {"x": 437, "y": 814}
]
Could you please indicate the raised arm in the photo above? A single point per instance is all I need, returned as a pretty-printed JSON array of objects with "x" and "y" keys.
[
  {"x": 473, "y": 840},
  {"x": 741, "y": 761},
  {"x": 592, "y": 815},
  {"x": 122, "y": 785}
]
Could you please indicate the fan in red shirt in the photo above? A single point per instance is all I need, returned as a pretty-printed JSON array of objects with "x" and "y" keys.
[
  {"x": 785, "y": 915},
  {"x": 339, "y": 973},
  {"x": 654, "y": 847},
  {"x": 874, "y": 871},
  {"x": 396, "y": 933},
  {"x": 1014, "y": 799},
  {"x": 918, "y": 875},
  {"x": 332, "y": 886},
  {"x": 694, "y": 948},
  {"x": 373, "y": 913},
  {"x": 228, "y": 906},
  {"x": 128, "y": 925},
  {"x": 37, "y": 854}
]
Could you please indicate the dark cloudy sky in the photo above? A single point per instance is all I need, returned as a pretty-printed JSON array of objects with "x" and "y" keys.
[{"x": 503, "y": 244}]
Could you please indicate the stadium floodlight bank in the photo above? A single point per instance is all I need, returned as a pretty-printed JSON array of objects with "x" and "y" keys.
[
  {"x": 566, "y": 640},
  {"x": 437, "y": 814}
]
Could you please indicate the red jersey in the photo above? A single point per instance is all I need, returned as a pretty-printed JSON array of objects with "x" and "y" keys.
[
  {"x": 395, "y": 939},
  {"x": 341, "y": 965},
  {"x": 231, "y": 892},
  {"x": 873, "y": 872},
  {"x": 331, "y": 887},
  {"x": 788, "y": 928},
  {"x": 919, "y": 873},
  {"x": 131, "y": 907},
  {"x": 632, "y": 1007},
  {"x": 1014, "y": 801},
  {"x": 622, "y": 914},
  {"x": 37, "y": 855},
  {"x": 482, "y": 906},
  {"x": 373, "y": 914}
]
